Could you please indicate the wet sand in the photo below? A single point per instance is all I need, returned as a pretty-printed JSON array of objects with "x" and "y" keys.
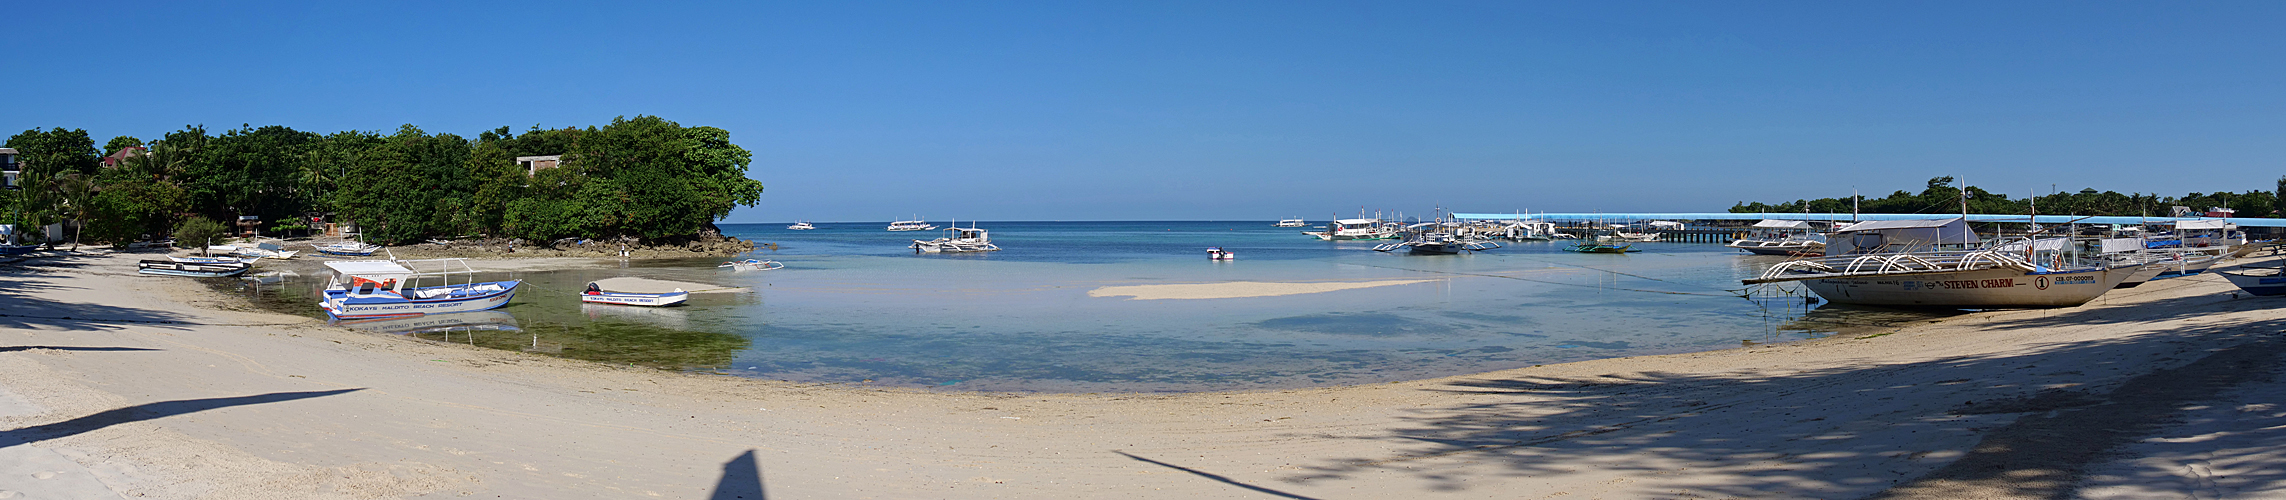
[{"x": 142, "y": 387}]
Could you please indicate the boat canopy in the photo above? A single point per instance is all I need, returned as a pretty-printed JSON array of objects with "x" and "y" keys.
[
  {"x": 2043, "y": 245},
  {"x": 1354, "y": 222},
  {"x": 1874, "y": 236},
  {"x": 368, "y": 268},
  {"x": 1782, "y": 224},
  {"x": 2202, "y": 224},
  {"x": 2117, "y": 245}
]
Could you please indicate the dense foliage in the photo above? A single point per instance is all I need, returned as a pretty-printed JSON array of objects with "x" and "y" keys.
[
  {"x": 1941, "y": 197},
  {"x": 643, "y": 177}
]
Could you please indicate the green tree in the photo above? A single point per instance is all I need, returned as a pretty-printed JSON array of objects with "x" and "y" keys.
[
  {"x": 119, "y": 143},
  {"x": 57, "y": 151},
  {"x": 197, "y": 232}
]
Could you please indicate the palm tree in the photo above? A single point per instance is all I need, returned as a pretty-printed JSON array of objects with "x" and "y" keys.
[{"x": 74, "y": 192}]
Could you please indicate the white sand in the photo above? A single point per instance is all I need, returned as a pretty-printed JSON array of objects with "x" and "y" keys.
[
  {"x": 253, "y": 405},
  {"x": 1237, "y": 289}
]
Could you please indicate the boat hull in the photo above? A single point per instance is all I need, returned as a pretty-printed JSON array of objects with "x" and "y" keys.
[
  {"x": 1801, "y": 249},
  {"x": 339, "y": 305},
  {"x": 2258, "y": 282},
  {"x": 636, "y": 299},
  {"x": 191, "y": 269},
  {"x": 1983, "y": 288}
]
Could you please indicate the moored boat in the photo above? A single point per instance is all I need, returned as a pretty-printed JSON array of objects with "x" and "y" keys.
[
  {"x": 911, "y": 225},
  {"x": 1781, "y": 237},
  {"x": 1602, "y": 247},
  {"x": 362, "y": 289},
  {"x": 1294, "y": 222},
  {"x": 958, "y": 240},
  {"x": 2258, "y": 281},
  {"x": 596, "y": 294},
  {"x": 1217, "y": 253},
  {"x": 1356, "y": 229},
  {"x": 801, "y": 226},
  {"x": 215, "y": 269},
  {"x": 752, "y": 265},
  {"x": 348, "y": 248},
  {"x": 213, "y": 260}
]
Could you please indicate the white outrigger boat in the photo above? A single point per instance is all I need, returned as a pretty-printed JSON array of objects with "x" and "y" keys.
[
  {"x": 348, "y": 248},
  {"x": 1434, "y": 238},
  {"x": 1294, "y": 222},
  {"x": 259, "y": 250},
  {"x": 1532, "y": 230},
  {"x": 802, "y": 226},
  {"x": 1897, "y": 263},
  {"x": 1781, "y": 237},
  {"x": 1356, "y": 229},
  {"x": 192, "y": 269},
  {"x": 595, "y": 294},
  {"x": 958, "y": 240},
  {"x": 752, "y": 265},
  {"x": 911, "y": 225},
  {"x": 365, "y": 289},
  {"x": 214, "y": 260}
]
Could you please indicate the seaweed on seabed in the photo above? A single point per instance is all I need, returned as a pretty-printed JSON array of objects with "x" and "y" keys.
[{"x": 613, "y": 342}]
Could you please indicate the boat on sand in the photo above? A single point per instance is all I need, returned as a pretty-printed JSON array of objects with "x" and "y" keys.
[{"x": 597, "y": 295}]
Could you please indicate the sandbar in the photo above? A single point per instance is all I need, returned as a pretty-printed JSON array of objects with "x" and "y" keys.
[{"x": 1236, "y": 289}]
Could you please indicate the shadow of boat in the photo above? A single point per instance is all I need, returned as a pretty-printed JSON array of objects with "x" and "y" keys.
[{"x": 474, "y": 320}]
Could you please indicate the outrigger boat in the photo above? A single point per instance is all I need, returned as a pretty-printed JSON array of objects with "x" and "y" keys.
[
  {"x": 595, "y": 294},
  {"x": 368, "y": 289},
  {"x": 752, "y": 265},
  {"x": 259, "y": 250},
  {"x": 958, "y": 240},
  {"x": 2259, "y": 280},
  {"x": 192, "y": 269},
  {"x": 1217, "y": 253},
  {"x": 1781, "y": 237},
  {"x": 911, "y": 225},
  {"x": 1602, "y": 247},
  {"x": 213, "y": 260},
  {"x": 1433, "y": 238},
  {"x": 348, "y": 248},
  {"x": 1356, "y": 229},
  {"x": 1906, "y": 263}
]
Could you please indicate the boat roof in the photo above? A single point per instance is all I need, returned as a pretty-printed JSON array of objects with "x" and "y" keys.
[
  {"x": 1773, "y": 223},
  {"x": 1346, "y": 222},
  {"x": 1898, "y": 224},
  {"x": 367, "y": 267},
  {"x": 2201, "y": 224}
]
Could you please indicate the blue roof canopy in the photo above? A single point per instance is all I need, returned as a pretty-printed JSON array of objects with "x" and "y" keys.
[{"x": 1831, "y": 217}]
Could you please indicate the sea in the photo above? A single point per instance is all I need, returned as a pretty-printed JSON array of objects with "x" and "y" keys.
[{"x": 855, "y": 305}]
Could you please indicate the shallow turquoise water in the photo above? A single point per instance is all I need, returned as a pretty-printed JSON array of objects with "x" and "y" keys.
[{"x": 854, "y": 305}]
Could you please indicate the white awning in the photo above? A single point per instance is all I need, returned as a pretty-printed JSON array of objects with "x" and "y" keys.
[
  {"x": 367, "y": 267},
  {"x": 1782, "y": 224},
  {"x": 2201, "y": 224},
  {"x": 1354, "y": 222},
  {"x": 1897, "y": 224}
]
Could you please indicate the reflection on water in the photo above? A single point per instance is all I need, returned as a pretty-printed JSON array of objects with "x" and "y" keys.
[
  {"x": 473, "y": 320},
  {"x": 855, "y": 305}
]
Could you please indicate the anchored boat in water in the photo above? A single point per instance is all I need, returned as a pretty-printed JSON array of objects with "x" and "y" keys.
[
  {"x": 958, "y": 240},
  {"x": 1294, "y": 222},
  {"x": 596, "y": 294},
  {"x": 361, "y": 289},
  {"x": 1935, "y": 263},
  {"x": 1782, "y": 237},
  {"x": 911, "y": 225}
]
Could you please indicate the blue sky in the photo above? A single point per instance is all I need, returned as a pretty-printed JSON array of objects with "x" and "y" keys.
[{"x": 1228, "y": 110}]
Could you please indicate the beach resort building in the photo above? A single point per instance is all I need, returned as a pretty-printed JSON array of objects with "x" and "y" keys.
[{"x": 534, "y": 164}]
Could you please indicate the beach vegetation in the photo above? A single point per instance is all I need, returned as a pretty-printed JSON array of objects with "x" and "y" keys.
[
  {"x": 1941, "y": 196},
  {"x": 642, "y": 177},
  {"x": 196, "y": 231}
]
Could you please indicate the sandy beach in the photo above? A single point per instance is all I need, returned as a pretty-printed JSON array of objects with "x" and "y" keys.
[{"x": 114, "y": 385}]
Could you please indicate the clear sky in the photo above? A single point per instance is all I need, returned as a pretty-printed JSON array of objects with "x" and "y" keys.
[{"x": 1234, "y": 110}]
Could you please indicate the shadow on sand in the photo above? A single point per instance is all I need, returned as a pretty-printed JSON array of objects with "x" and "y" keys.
[
  {"x": 741, "y": 479},
  {"x": 146, "y": 411},
  {"x": 29, "y": 302},
  {"x": 2038, "y": 416}
]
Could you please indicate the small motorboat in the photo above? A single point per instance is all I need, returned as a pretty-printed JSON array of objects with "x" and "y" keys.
[
  {"x": 595, "y": 294},
  {"x": 801, "y": 226},
  {"x": 1294, "y": 222},
  {"x": 1217, "y": 253},
  {"x": 371, "y": 289},
  {"x": 752, "y": 265},
  {"x": 192, "y": 269}
]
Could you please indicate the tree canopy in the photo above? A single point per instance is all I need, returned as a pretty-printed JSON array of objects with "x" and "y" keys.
[
  {"x": 1939, "y": 196},
  {"x": 643, "y": 177}
]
